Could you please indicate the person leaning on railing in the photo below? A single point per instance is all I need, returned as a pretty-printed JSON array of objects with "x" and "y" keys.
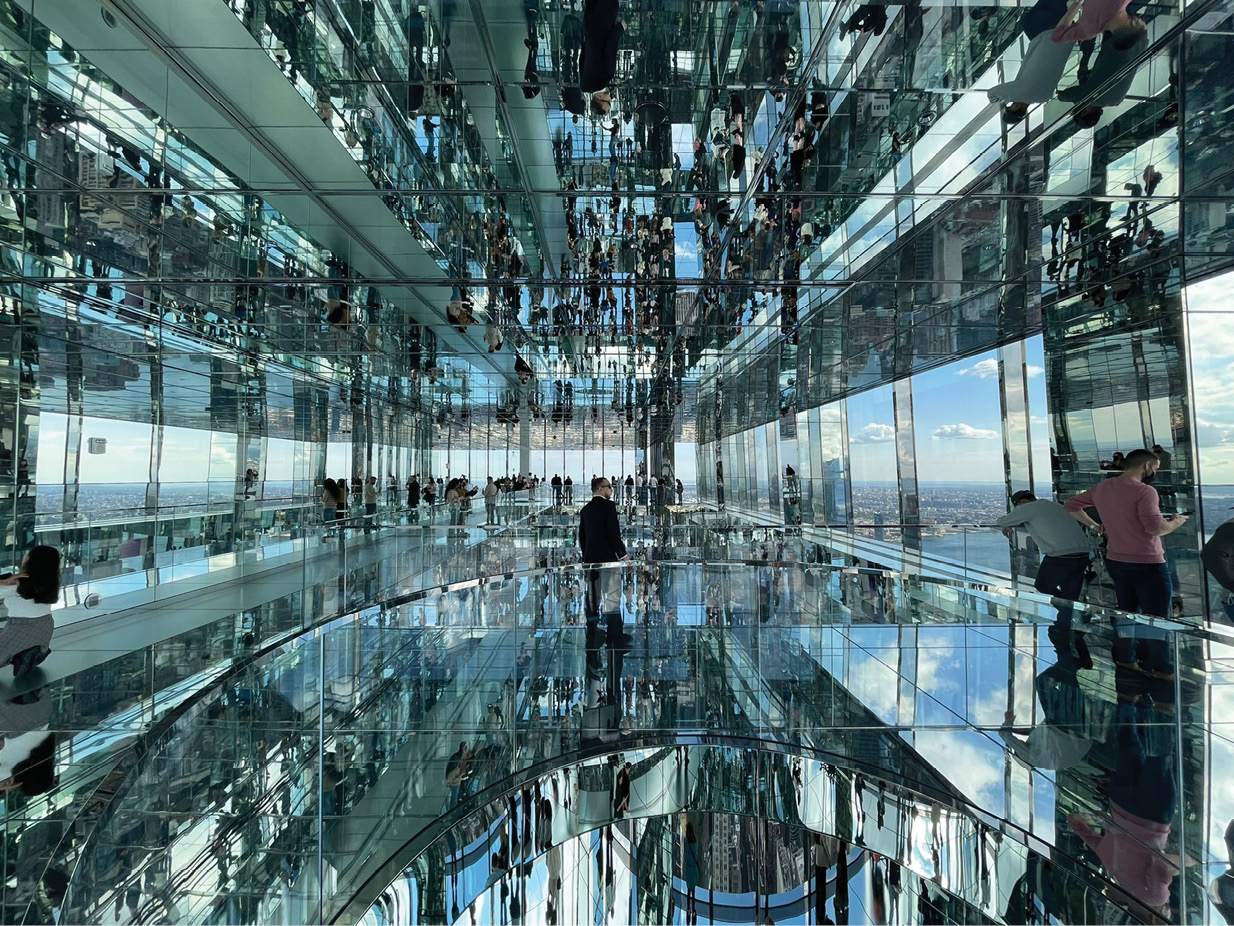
[{"x": 1064, "y": 546}]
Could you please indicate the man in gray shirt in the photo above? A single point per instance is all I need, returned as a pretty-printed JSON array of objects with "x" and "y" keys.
[{"x": 1063, "y": 544}]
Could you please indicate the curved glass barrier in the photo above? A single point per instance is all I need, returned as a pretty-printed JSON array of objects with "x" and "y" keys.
[
  {"x": 301, "y": 788},
  {"x": 133, "y": 676},
  {"x": 729, "y": 833}
]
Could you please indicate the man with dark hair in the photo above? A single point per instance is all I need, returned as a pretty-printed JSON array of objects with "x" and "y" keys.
[
  {"x": 1063, "y": 544},
  {"x": 1131, "y": 516},
  {"x": 599, "y": 538},
  {"x": 599, "y": 528}
]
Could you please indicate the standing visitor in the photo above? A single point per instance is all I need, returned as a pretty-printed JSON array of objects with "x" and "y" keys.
[
  {"x": 341, "y": 492},
  {"x": 413, "y": 498},
  {"x": 1131, "y": 518},
  {"x": 370, "y": 503},
  {"x": 329, "y": 501},
  {"x": 490, "y": 501}
]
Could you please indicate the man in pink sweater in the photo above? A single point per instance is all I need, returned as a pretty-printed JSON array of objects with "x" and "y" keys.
[
  {"x": 1131, "y": 518},
  {"x": 1100, "y": 16}
]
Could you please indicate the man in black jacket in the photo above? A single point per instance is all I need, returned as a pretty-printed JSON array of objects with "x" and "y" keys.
[
  {"x": 599, "y": 537},
  {"x": 599, "y": 528},
  {"x": 602, "y": 32}
]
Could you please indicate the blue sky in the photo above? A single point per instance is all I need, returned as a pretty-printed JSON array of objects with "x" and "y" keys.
[{"x": 957, "y": 417}]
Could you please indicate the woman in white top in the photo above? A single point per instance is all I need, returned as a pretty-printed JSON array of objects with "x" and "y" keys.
[{"x": 25, "y": 639}]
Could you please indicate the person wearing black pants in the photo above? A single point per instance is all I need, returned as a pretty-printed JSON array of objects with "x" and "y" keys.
[
  {"x": 1063, "y": 543},
  {"x": 599, "y": 538},
  {"x": 1132, "y": 521},
  {"x": 602, "y": 32}
]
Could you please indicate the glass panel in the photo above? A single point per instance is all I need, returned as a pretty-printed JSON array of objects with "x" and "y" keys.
[{"x": 872, "y": 459}]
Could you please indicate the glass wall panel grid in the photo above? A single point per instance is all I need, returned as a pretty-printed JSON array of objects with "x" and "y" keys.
[{"x": 794, "y": 651}]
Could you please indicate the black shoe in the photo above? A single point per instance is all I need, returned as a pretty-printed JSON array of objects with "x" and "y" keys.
[
  {"x": 620, "y": 641},
  {"x": 27, "y": 660}
]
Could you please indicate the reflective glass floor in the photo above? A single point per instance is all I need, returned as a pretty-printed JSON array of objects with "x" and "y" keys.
[{"x": 890, "y": 748}]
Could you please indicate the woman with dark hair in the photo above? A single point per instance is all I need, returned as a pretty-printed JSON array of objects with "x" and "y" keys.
[{"x": 27, "y": 597}]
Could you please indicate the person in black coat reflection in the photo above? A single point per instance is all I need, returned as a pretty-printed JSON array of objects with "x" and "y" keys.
[
  {"x": 599, "y": 538},
  {"x": 602, "y": 32}
]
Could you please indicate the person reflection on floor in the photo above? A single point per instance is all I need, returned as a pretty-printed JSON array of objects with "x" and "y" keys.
[
  {"x": 602, "y": 33},
  {"x": 1072, "y": 721},
  {"x": 27, "y": 744},
  {"x": 869, "y": 17},
  {"x": 1042, "y": 66},
  {"x": 1142, "y": 794}
]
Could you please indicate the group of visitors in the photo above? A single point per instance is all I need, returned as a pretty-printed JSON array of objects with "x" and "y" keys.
[
  {"x": 1131, "y": 525},
  {"x": 341, "y": 502},
  {"x": 627, "y": 491}
]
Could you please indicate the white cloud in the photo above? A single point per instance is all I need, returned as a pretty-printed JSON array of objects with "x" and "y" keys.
[
  {"x": 874, "y": 434},
  {"x": 974, "y": 764},
  {"x": 938, "y": 670},
  {"x": 1213, "y": 433},
  {"x": 988, "y": 369},
  {"x": 982, "y": 369},
  {"x": 874, "y": 683},
  {"x": 963, "y": 431}
]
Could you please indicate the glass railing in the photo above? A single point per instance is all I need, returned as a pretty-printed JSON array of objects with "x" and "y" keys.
[
  {"x": 111, "y": 553},
  {"x": 967, "y": 552},
  {"x": 98, "y": 718},
  {"x": 333, "y": 756}
]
